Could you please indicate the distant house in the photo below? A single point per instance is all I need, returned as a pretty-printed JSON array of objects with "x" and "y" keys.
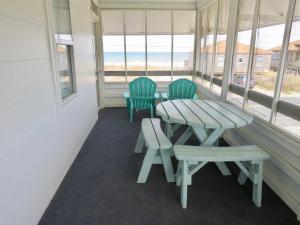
[
  {"x": 262, "y": 60},
  {"x": 293, "y": 59}
]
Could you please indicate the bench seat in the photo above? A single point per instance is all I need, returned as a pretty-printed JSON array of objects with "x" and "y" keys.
[
  {"x": 188, "y": 155},
  {"x": 220, "y": 154},
  {"x": 158, "y": 149}
]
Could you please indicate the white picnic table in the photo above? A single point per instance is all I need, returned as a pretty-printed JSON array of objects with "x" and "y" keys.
[{"x": 208, "y": 120}]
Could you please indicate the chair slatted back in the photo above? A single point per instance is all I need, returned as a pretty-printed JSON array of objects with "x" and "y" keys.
[
  {"x": 182, "y": 89},
  {"x": 141, "y": 91}
]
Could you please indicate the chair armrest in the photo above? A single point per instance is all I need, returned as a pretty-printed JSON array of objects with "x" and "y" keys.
[
  {"x": 156, "y": 95},
  {"x": 126, "y": 94},
  {"x": 164, "y": 95},
  {"x": 196, "y": 97}
]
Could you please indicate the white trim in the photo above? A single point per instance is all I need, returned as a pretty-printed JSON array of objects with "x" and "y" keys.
[
  {"x": 212, "y": 71},
  {"x": 251, "y": 53},
  {"x": 146, "y": 5},
  {"x": 60, "y": 102},
  {"x": 230, "y": 46},
  {"x": 283, "y": 57}
]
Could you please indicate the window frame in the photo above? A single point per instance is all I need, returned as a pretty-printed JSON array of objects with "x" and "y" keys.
[
  {"x": 54, "y": 42},
  {"x": 272, "y": 102},
  {"x": 147, "y": 72}
]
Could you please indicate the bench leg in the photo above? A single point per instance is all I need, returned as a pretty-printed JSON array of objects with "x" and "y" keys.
[
  {"x": 242, "y": 178},
  {"x": 178, "y": 173},
  {"x": 168, "y": 167},
  {"x": 147, "y": 163},
  {"x": 257, "y": 171},
  {"x": 184, "y": 184},
  {"x": 140, "y": 144}
]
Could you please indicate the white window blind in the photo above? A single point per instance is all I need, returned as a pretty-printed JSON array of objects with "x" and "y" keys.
[
  {"x": 184, "y": 21},
  {"x": 112, "y": 22},
  {"x": 159, "y": 22},
  {"x": 135, "y": 21},
  {"x": 223, "y": 16}
]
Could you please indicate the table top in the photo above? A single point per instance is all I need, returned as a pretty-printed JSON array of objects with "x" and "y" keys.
[{"x": 203, "y": 113}]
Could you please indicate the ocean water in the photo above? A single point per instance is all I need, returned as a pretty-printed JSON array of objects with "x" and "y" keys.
[{"x": 153, "y": 57}]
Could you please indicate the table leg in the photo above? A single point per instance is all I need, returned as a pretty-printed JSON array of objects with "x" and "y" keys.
[
  {"x": 168, "y": 130},
  {"x": 209, "y": 140},
  {"x": 185, "y": 136}
]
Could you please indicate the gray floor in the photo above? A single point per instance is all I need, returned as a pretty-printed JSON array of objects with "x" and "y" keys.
[{"x": 101, "y": 189}]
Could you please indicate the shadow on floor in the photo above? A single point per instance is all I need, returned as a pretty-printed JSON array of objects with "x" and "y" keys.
[{"x": 100, "y": 188}]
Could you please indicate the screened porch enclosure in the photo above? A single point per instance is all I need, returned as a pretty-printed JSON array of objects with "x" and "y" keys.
[
  {"x": 154, "y": 43},
  {"x": 244, "y": 52}
]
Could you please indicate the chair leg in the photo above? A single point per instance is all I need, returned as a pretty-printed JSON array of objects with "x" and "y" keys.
[
  {"x": 257, "y": 170},
  {"x": 128, "y": 105},
  {"x": 184, "y": 184},
  {"x": 131, "y": 115},
  {"x": 140, "y": 143},
  {"x": 168, "y": 167},
  {"x": 147, "y": 163},
  {"x": 151, "y": 110}
]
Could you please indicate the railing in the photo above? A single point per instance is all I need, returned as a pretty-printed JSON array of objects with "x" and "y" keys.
[
  {"x": 149, "y": 73},
  {"x": 283, "y": 107}
]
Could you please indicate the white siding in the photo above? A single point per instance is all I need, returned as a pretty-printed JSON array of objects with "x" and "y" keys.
[{"x": 38, "y": 143}]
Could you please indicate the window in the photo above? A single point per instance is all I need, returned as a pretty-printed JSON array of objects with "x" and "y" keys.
[
  {"x": 136, "y": 56},
  {"x": 241, "y": 59},
  {"x": 202, "y": 33},
  {"x": 159, "y": 44},
  {"x": 220, "y": 60},
  {"x": 113, "y": 45},
  {"x": 183, "y": 56},
  {"x": 212, "y": 11},
  {"x": 183, "y": 42},
  {"x": 263, "y": 80},
  {"x": 269, "y": 35},
  {"x": 241, "y": 52},
  {"x": 63, "y": 49},
  {"x": 139, "y": 43},
  {"x": 221, "y": 39},
  {"x": 114, "y": 58},
  {"x": 159, "y": 57},
  {"x": 290, "y": 88},
  {"x": 65, "y": 70},
  {"x": 259, "y": 62}
]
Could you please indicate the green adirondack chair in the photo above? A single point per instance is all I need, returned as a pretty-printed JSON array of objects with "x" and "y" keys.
[
  {"x": 142, "y": 96},
  {"x": 181, "y": 89}
]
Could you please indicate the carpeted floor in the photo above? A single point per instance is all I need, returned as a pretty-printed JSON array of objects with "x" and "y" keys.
[{"x": 101, "y": 189}]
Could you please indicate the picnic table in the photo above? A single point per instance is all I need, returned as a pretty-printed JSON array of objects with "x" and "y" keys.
[{"x": 208, "y": 120}]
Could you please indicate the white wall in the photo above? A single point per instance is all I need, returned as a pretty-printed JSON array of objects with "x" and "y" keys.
[{"x": 38, "y": 143}]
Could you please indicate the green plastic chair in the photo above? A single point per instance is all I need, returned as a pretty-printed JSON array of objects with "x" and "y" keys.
[
  {"x": 181, "y": 89},
  {"x": 141, "y": 96}
]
